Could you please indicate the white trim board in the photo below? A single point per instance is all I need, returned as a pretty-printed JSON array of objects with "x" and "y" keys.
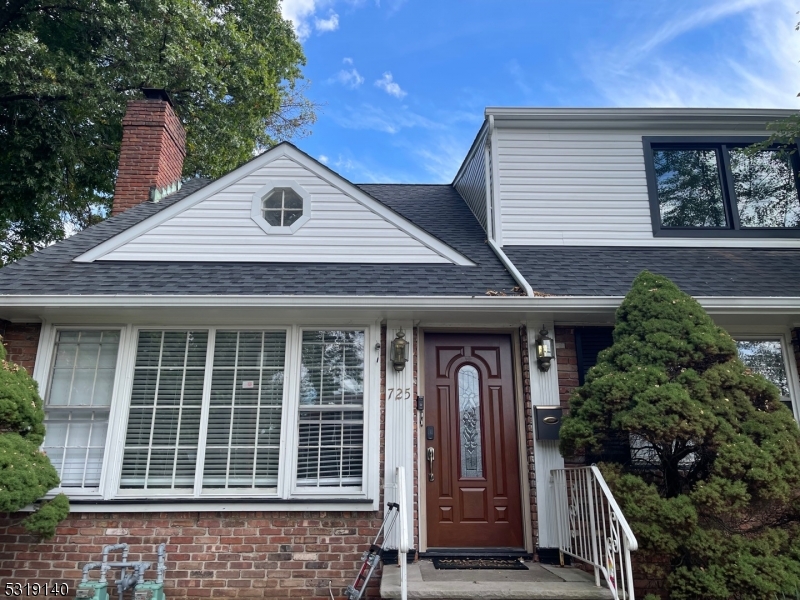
[
  {"x": 714, "y": 304},
  {"x": 290, "y": 152}
]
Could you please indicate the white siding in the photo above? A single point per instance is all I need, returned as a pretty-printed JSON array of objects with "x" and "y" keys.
[
  {"x": 471, "y": 181},
  {"x": 219, "y": 228},
  {"x": 585, "y": 188}
]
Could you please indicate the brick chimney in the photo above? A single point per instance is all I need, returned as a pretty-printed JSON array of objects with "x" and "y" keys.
[{"x": 152, "y": 151}]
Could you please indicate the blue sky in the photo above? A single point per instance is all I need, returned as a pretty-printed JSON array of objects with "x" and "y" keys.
[{"x": 402, "y": 84}]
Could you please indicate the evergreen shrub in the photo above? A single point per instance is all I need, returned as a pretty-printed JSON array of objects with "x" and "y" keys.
[
  {"x": 26, "y": 473},
  {"x": 709, "y": 478}
]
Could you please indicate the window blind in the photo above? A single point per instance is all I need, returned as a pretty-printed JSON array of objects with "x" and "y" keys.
[
  {"x": 78, "y": 404},
  {"x": 164, "y": 418},
  {"x": 244, "y": 423},
  {"x": 331, "y": 411}
]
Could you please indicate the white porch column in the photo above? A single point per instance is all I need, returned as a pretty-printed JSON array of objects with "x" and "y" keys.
[
  {"x": 544, "y": 392},
  {"x": 399, "y": 423}
]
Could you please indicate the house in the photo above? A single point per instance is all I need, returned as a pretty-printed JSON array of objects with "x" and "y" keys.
[{"x": 222, "y": 361}]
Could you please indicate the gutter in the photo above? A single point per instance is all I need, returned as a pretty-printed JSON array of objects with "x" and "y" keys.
[
  {"x": 523, "y": 283},
  {"x": 716, "y": 304}
]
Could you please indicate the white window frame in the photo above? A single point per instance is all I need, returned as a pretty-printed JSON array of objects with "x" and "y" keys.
[
  {"x": 43, "y": 372},
  {"x": 286, "y": 490},
  {"x": 256, "y": 207},
  {"x": 785, "y": 339},
  {"x": 329, "y": 490}
]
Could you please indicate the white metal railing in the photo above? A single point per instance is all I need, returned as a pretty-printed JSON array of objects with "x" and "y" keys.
[
  {"x": 592, "y": 528},
  {"x": 402, "y": 546}
]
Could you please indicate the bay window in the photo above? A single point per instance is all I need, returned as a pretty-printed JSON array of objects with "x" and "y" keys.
[{"x": 212, "y": 413}]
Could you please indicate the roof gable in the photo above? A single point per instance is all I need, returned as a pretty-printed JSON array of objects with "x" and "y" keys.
[{"x": 345, "y": 224}]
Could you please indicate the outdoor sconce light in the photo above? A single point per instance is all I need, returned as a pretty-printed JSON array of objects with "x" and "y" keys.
[
  {"x": 544, "y": 350},
  {"x": 399, "y": 351}
]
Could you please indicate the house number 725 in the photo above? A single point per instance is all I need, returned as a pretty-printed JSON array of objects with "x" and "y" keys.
[{"x": 398, "y": 394}]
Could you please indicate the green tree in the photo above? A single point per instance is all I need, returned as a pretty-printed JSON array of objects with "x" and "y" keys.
[
  {"x": 711, "y": 484},
  {"x": 25, "y": 471},
  {"x": 68, "y": 68}
]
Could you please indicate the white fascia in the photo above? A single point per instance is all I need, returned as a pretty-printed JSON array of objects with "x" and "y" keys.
[
  {"x": 729, "y": 120},
  {"x": 287, "y": 150},
  {"x": 715, "y": 304}
]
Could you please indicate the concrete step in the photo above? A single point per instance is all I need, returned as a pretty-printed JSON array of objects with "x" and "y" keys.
[{"x": 539, "y": 582}]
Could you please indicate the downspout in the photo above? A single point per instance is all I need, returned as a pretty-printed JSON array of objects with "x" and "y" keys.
[
  {"x": 490, "y": 213},
  {"x": 511, "y": 268}
]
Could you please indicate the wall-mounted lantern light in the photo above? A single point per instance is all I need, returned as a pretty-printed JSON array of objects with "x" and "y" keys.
[
  {"x": 398, "y": 353},
  {"x": 544, "y": 350}
]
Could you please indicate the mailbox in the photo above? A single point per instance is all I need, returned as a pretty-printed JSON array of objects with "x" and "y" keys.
[{"x": 548, "y": 422}]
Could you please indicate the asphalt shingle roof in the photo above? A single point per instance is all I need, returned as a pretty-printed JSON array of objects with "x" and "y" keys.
[
  {"x": 436, "y": 208},
  {"x": 609, "y": 271}
]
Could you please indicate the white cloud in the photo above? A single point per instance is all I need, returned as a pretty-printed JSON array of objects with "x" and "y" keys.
[
  {"x": 361, "y": 171},
  {"x": 299, "y": 12},
  {"x": 387, "y": 84},
  {"x": 763, "y": 72},
  {"x": 329, "y": 24},
  {"x": 349, "y": 78},
  {"x": 323, "y": 159},
  {"x": 347, "y": 60},
  {"x": 442, "y": 157},
  {"x": 367, "y": 116}
]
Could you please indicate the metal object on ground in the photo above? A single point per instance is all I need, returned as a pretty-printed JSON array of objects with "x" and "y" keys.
[
  {"x": 98, "y": 590},
  {"x": 153, "y": 590},
  {"x": 372, "y": 557}
]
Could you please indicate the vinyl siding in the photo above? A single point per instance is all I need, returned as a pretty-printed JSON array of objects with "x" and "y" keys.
[
  {"x": 584, "y": 188},
  {"x": 471, "y": 181},
  {"x": 219, "y": 228}
]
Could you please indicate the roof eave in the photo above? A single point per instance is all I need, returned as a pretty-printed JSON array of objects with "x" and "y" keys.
[
  {"x": 716, "y": 304},
  {"x": 754, "y": 119}
]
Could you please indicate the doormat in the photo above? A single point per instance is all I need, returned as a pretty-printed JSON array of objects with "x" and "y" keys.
[{"x": 466, "y": 562}]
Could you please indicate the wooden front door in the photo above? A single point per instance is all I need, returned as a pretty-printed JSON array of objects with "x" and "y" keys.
[{"x": 473, "y": 496}]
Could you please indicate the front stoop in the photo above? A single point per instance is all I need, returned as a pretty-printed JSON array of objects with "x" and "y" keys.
[{"x": 540, "y": 582}]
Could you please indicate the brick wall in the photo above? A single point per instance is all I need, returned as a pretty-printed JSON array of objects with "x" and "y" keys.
[
  {"x": 567, "y": 362},
  {"x": 224, "y": 555},
  {"x": 152, "y": 152},
  {"x": 21, "y": 341},
  {"x": 526, "y": 398}
]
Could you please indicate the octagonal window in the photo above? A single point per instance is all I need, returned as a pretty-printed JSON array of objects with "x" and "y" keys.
[{"x": 282, "y": 207}]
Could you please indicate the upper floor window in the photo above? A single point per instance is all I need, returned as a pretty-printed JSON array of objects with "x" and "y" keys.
[
  {"x": 281, "y": 207},
  {"x": 713, "y": 187}
]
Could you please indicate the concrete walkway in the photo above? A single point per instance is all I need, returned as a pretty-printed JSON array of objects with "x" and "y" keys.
[{"x": 540, "y": 582}]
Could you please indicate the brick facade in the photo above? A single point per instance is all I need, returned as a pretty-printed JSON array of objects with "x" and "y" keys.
[
  {"x": 152, "y": 152},
  {"x": 528, "y": 405},
  {"x": 224, "y": 555},
  {"x": 21, "y": 341}
]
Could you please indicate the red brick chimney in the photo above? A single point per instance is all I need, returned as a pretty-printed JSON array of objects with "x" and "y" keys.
[{"x": 152, "y": 151}]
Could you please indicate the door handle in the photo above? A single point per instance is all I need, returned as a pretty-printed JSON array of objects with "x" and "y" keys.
[{"x": 430, "y": 464}]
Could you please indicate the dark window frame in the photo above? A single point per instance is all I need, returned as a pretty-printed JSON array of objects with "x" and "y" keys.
[{"x": 734, "y": 229}]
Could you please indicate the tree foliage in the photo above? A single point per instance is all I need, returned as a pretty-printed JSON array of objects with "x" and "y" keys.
[
  {"x": 68, "y": 68},
  {"x": 711, "y": 480},
  {"x": 25, "y": 471}
]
